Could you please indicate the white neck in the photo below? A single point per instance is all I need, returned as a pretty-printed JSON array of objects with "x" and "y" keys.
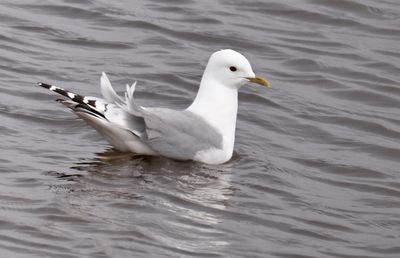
[{"x": 218, "y": 105}]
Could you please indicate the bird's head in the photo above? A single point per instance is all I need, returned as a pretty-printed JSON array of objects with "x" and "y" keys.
[{"x": 231, "y": 69}]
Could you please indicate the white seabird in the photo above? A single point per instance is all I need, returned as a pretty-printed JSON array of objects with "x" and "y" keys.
[{"x": 203, "y": 132}]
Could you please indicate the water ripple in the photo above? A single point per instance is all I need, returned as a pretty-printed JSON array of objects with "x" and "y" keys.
[{"x": 315, "y": 167}]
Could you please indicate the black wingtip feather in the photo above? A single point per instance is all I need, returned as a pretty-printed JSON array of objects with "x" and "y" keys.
[
  {"x": 81, "y": 101},
  {"x": 44, "y": 85}
]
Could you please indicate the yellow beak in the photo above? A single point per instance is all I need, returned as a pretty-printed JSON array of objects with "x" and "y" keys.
[{"x": 259, "y": 80}]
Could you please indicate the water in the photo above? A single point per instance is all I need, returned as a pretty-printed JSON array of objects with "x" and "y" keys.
[{"x": 316, "y": 166}]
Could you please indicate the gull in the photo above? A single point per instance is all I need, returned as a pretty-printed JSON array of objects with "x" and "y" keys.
[{"x": 203, "y": 132}]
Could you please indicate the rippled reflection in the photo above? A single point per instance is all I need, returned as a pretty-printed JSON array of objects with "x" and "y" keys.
[{"x": 187, "y": 197}]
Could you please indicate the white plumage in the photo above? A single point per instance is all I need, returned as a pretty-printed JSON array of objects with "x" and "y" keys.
[{"x": 203, "y": 132}]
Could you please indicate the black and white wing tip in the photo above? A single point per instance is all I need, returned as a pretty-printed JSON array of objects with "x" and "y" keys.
[{"x": 81, "y": 102}]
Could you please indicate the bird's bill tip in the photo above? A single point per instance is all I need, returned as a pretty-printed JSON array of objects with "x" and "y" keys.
[{"x": 259, "y": 80}]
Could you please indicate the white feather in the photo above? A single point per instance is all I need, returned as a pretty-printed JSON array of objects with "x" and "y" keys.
[{"x": 107, "y": 90}]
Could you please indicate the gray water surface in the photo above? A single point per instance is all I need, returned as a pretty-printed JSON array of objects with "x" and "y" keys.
[{"x": 316, "y": 169}]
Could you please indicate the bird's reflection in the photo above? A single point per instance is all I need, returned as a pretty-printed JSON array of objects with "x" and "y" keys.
[{"x": 189, "y": 196}]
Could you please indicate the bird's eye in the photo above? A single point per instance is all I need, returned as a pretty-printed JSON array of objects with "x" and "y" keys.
[{"x": 232, "y": 68}]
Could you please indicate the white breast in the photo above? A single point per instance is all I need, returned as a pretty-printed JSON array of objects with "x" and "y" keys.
[{"x": 218, "y": 106}]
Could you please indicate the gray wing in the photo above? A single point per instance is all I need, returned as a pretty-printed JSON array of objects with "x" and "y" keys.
[
  {"x": 170, "y": 133},
  {"x": 124, "y": 119},
  {"x": 179, "y": 134}
]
